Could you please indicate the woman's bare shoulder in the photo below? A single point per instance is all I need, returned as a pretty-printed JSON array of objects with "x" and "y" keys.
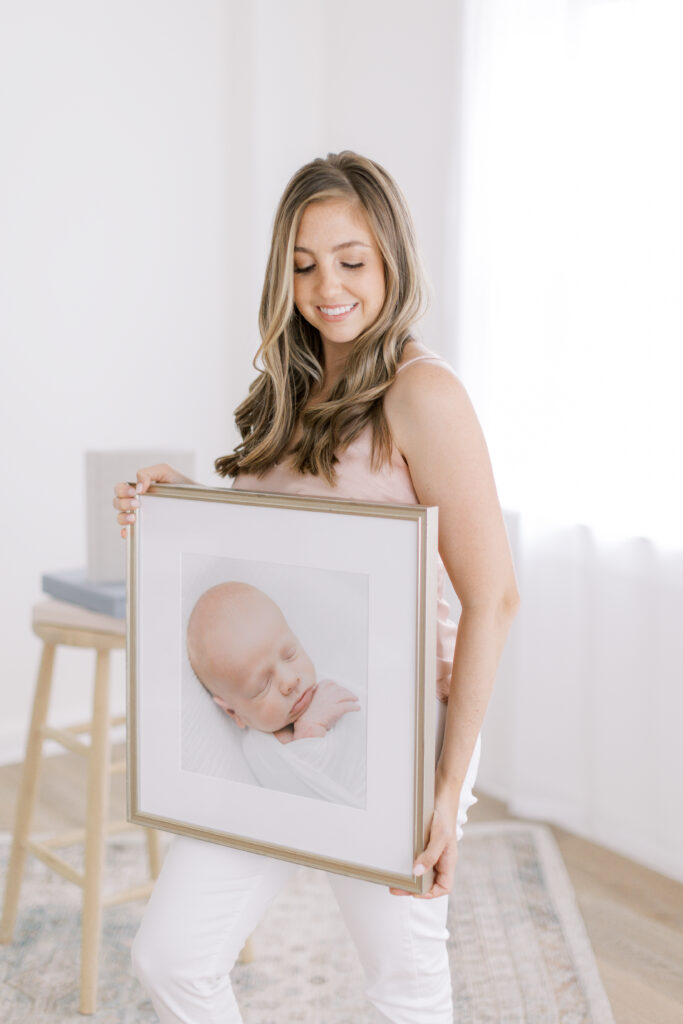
[
  {"x": 426, "y": 394},
  {"x": 421, "y": 373},
  {"x": 413, "y": 349}
]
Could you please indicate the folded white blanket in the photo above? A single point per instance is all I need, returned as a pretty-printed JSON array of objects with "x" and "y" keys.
[{"x": 331, "y": 767}]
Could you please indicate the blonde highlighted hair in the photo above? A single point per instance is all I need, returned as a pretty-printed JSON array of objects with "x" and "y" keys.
[{"x": 291, "y": 349}]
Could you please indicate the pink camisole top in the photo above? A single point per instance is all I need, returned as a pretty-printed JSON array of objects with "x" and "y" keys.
[{"x": 355, "y": 479}]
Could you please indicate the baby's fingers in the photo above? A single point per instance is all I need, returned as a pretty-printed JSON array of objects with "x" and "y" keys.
[
  {"x": 343, "y": 708},
  {"x": 343, "y": 694},
  {"x": 348, "y": 703}
]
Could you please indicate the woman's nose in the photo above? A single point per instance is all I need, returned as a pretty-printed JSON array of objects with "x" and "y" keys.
[{"x": 328, "y": 283}]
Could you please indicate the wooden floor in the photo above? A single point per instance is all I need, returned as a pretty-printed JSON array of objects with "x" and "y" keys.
[{"x": 634, "y": 916}]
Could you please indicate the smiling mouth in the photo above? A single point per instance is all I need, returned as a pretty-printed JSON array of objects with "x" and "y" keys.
[
  {"x": 303, "y": 702},
  {"x": 329, "y": 312}
]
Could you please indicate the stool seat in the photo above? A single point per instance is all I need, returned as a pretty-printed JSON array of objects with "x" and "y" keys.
[{"x": 52, "y": 612}]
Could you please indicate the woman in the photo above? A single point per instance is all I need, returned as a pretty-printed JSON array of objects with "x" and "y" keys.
[{"x": 349, "y": 404}]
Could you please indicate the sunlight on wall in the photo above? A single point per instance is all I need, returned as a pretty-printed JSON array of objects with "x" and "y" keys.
[{"x": 572, "y": 259}]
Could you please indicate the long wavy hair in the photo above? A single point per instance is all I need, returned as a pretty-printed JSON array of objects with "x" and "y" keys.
[{"x": 291, "y": 352}]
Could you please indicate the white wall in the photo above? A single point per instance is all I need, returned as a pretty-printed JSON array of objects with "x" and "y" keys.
[
  {"x": 116, "y": 327},
  {"x": 145, "y": 148},
  {"x": 378, "y": 78}
]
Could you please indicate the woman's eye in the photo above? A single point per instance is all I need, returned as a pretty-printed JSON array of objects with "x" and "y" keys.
[{"x": 347, "y": 266}]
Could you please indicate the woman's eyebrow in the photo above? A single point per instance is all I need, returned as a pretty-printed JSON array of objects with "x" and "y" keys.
[{"x": 342, "y": 245}]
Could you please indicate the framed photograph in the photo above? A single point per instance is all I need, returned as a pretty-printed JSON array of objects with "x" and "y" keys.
[{"x": 281, "y": 665}]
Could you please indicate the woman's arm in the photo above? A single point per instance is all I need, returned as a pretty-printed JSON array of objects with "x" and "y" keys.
[{"x": 435, "y": 427}]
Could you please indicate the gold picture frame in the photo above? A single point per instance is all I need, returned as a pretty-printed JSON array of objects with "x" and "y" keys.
[{"x": 358, "y": 582}]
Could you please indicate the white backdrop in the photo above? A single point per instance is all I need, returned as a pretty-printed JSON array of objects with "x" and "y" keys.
[{"x": 114, "y": 259}]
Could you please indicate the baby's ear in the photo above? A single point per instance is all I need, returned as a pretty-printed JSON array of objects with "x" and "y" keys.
[{"x": 229, "y": 711}]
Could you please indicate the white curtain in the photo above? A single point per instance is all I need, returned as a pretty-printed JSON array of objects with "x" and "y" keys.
[{"x": 566, "y": 221}]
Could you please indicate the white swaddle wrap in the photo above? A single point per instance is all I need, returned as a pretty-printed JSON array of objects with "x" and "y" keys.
[
  {"x": 333, "y": 767},
  {"x": 330, "y": 767}
]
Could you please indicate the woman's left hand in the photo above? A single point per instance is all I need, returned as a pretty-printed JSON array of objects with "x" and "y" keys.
[{"x": 441, "y": 851}]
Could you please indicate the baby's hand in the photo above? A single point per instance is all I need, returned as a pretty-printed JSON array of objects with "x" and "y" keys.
[{"x": 329, "y": 703}]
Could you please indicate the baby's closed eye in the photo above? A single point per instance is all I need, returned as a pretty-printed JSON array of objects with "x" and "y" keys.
[{"x": 263, "y": 688}]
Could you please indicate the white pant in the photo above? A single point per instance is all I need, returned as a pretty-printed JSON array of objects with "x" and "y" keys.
[{"x": 209, "y": 898}]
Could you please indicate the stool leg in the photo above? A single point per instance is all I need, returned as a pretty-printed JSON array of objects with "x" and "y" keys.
[
  {"x": 96, "y": 816},
  {"x": 153, "y": 852},
  {"x": 247, "y": 952},
  {"x": 27, "y": 792}
]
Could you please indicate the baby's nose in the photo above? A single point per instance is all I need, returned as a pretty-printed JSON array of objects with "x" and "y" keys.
[{"x": 289, "y": 682}]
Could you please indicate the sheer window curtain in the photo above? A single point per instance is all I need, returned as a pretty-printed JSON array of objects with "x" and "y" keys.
[{"x": 565, "y": 235}]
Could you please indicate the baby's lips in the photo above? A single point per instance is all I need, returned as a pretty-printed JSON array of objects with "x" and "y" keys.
[{"x": 306, "y": 697}]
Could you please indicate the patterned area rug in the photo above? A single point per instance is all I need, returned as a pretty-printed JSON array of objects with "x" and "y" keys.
[{"x": 519, "y": 950}]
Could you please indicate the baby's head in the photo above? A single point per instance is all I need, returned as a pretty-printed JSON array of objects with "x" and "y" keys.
[{"x": 245, "y": 654}]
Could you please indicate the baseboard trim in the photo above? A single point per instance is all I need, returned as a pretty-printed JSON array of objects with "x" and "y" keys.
[{"x": 644, "y": 850}]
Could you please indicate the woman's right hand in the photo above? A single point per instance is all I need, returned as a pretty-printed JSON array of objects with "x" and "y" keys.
[{"x": 126, "y": 500}]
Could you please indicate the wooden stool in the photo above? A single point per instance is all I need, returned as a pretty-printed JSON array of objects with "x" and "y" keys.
[{"x": 57, "y": 622}]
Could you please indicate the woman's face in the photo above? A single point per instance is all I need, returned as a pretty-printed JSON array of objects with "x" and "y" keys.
[{"x": 338, "y": 271}]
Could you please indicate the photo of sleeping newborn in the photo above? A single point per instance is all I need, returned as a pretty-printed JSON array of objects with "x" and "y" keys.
[
  {"x": 243, "y": 651},
  {"x": 298, "y": 730}
]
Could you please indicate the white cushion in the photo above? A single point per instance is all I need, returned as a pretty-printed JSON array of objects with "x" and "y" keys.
[{"x": 63, "y": 613}]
